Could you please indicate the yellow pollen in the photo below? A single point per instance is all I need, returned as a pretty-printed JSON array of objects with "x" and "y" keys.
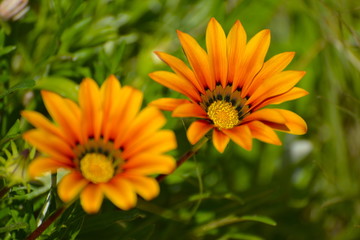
[
  {"x": 223, "y": 114},
  {"x": 97, "y": 168}
]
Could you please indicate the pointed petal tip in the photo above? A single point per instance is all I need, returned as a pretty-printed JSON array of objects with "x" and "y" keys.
[
  {"x": 87, "y": 80},
  {"x": 179, "y": 32},
  {"x": 266, "y": 31},
  {"x": 237, "y": 23},
  {"x": 220, "y": 150},
  {"x": 300, "y": 75},
  {"x": 152, "y": 74},
  {"x": 158, "y": 53},
  {"x": 111, "y": 77},
  {"x": 24, "y": 113},
  {"x": 213, "y": 21},
  {"x": 289, "y": 55},
  {"x": 161, "y": 55}
]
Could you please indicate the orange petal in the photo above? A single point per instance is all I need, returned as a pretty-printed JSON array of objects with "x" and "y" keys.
[
  {"x": 241, "y": 135},
  {"x": 41, "y": 165},
  {"x": 216, "y": 48},
  {"x": 176, "y": 83},
  {"x": 110, "y": 91},
  {"x": 64, "y": 115},
  {"x": 270, "y": 115},
  {"x": 276, "y": 85},
  {"x": 91, "y": 198},
  {"x": 120, "y": 192},
  {"x": 124, "y": 104},
  {"x": 294, "y": 93},
  {"x": 197, "y": 130},
  {"x": 148, "y": 163},
  {"x": 277, "y": 126},
  {"x": 236, "y": 43},
  {"x": 189, "y": 110},
  {"x": 149, "y": 120},
  {"x": 220, "y": 140},
  {"x": 146, "y": 187},
  {"x": 254, "y": 55},
  {"x": 160, "y": 142},
  {"x": 129, "y": 106},
  {"x": 168, "y": 104},
  {"x": 294, "y": 122},
  {"x": 198, "y": 60},
  {"x": 263, "y": 132},
  {"x": 73, "y": 107},
  {"x": 39, "y": 121},
  {"x": 71, "y": 185},
  {"x": 91, "y": 106},
  {"x": 76, "y": 112},
  {"x": 271, "y": 67},
  {"x": 50, "y": 144},
  {"x": 180, "y": 68}
]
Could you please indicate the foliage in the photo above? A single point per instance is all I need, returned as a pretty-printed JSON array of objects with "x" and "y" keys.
[{"x": 306, "y": 189}]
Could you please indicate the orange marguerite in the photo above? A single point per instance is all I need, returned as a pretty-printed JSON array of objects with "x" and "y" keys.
[
  {"x": 228, "y": 87},
  {"x": 108, "y": 145}
]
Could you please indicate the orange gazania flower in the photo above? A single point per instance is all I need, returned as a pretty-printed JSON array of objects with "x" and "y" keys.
[
  {"x": 108, "y": 146},
  {"x": 229, "y": 85}
]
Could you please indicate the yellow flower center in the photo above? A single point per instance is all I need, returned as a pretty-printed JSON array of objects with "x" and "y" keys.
[
  {"x": 223, "y": 114},
  {"x": 97, "y": 168}
]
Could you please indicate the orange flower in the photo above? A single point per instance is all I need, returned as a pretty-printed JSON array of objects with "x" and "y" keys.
[
  {"x": 108, "y": 146},
  {"x": 229, "y": 85}
]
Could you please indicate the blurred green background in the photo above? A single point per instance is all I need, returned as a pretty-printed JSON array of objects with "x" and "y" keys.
[{"x": 309, "y": 188}]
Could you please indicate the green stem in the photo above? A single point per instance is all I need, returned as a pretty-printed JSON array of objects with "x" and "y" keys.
[{"x": 186, "y": 156}]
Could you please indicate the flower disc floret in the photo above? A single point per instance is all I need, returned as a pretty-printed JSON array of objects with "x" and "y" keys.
[
  {"x": 97, "y": 168},
  {"x": 223, "y": 114}
]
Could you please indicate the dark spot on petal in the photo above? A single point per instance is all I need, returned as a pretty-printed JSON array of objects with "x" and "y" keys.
[
  {"x": 227, "y": 98},
  {"x": 239, "y": 108}
]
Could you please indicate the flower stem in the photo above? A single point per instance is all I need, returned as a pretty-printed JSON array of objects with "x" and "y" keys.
[
  {"x": 186, "y": 156},
  {"x": 44, "y": 225}
]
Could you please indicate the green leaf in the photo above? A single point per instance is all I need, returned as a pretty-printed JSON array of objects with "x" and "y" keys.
[
  {"x": 63, "y": 86},
  {"x": 230, "y": 220},
  {"x": 242, "y": 236},
  {"x": 6, "y": 50},
  {"x": 12, "y": 227},
  {"x": 257, "y": 218},
  {"x": 20, "y": 86},
  {"x": 12, "y": 133}
]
